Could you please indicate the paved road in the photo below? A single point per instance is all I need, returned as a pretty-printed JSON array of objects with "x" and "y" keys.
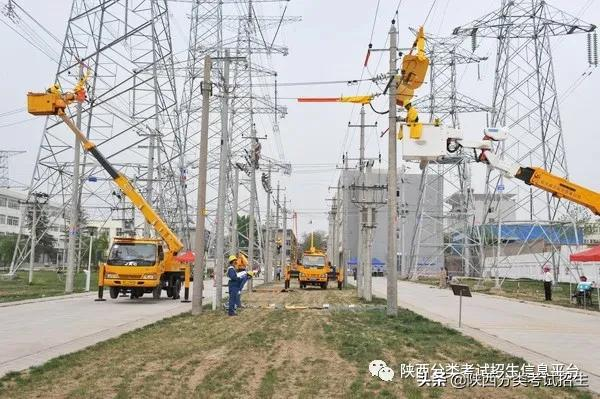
[
  {"x": 535, "y": 332},
  {"x": 33, "y": 332}
]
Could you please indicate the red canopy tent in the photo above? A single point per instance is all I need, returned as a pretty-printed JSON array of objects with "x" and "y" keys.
[
  {"x": 186, "y": 257},
  {"x": 589, "y": 255}
]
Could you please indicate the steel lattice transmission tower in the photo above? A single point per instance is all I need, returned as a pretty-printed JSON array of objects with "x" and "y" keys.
[
  {"x": 205, "y": 37},
  {"x": 444, "y": 101},
  {"x": 525, "y": 100},
  {"x": 452, "y": 176},
  {"x": 235, "y": 27},
  {"x": 5, "y": 180},
  {"x": 129, "y": 113},
  {"x": 255, "y": 100}
]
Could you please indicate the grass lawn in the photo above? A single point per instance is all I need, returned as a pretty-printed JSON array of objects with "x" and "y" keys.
[
  {"x": 525, "y": 289},
  {"x": 45, "y": 283},
  {"x": 268, "y": 353}
]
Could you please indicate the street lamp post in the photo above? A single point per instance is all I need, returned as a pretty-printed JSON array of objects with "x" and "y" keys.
[{"x": 89, "y": 268}]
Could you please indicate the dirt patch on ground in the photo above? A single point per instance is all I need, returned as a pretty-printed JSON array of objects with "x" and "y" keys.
[
  {"x": 210, "y": 360},
  {"x": 267, "y": 351}
]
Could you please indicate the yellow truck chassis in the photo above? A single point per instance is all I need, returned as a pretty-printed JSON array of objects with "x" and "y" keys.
[{"x": 164, "y": 271}]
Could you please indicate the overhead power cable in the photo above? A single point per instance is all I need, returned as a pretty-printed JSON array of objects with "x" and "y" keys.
[
  {"x": 429, "y": 13},
  {"x": 374, "y": 22},
  {"x": 17, "y": 122},
  {"x": 314, "y": 83},
  {"x": 12, "y": 112}
]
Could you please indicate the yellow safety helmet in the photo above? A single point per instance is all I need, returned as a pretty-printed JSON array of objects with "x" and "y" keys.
[
  {"x": 54, "y": 89},
  {"x": 231, "y": 258}
]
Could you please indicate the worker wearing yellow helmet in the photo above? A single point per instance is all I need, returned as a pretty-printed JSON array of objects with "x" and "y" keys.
[
  {"x": 244, "y": 274},
  {"x": 233, "y": 285},
  {"x": 54, "y": 89}
]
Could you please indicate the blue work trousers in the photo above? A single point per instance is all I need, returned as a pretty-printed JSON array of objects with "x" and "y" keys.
[
  {"x": 238, "y": 302},
  {"x": 234, "y": 294}
]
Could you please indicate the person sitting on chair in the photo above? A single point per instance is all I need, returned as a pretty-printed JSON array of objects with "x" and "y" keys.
[{"x": 583, "y": 291}]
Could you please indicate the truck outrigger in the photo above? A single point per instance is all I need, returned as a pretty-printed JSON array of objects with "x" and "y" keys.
[{"x": 135, "y": 265}]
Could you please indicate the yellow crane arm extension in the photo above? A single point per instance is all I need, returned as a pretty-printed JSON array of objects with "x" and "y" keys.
[
  {"x": 128, "y": 189},
  {"x": 560, "y": 187}
]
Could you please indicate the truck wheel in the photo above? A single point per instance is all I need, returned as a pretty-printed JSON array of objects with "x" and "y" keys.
[
  {"x": 156, "y": 291},
  {"x": 114, "y": 292},
  {"x": 323, "y": 286}
]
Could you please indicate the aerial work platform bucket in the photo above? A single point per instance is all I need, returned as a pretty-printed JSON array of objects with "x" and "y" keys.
[
  {"x": 44, "y": 103},
  {"x": 413, "y": 72}
]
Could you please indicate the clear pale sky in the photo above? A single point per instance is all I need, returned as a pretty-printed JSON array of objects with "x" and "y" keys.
[{"x": 328, "y": 44}]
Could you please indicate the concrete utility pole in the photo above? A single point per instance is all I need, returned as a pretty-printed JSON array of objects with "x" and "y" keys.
[
  {"x": 332, "y": 245},
  {"x": 360, "y": 249},
  {"x": 75, "y": 195},
  {"x": 403, "y": 214},
  {"x": 152, "y": 138},
  {"x": 367, "y": 203},
  {"x": 223, "y": 164},
  {"x": 253, "y": 144},
  {"x": 369, "y": 227},
  {"x": 467, "y": 203},
  {"x": 362, "y": 236},
  {"x": 392, "y": 181},
  {"x": 33, "y": 239},
  {"x": 89, "y": 268},
  {"x": 38, "y": 199},
  {"x": 345, "y": 233},
  {"x": 269, "y": 247},
  {"x": 252, "y": 206},
  {"x": 277, "y": 219},
  {"x": 234, "y": 245},
  {"x": 363, "y": 260},
  {"x": 284, "y": 233},
  {"x": 200, "y": 216}
]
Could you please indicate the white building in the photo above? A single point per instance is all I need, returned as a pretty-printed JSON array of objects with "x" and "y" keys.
[
  {"x": 503, "y": 207},
  {"x": 10, "y": 211},
  {"x": 591, "y": 233},
  {"x": 113, "y": 228},
  {"x": 13, "y": 208},
  {"x": 429, "y": 256}
]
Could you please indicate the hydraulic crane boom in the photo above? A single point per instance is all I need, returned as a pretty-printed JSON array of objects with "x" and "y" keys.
[
  {"x": 560, "y": 187},
  {"x": 440, "y": 142},
  {"x": 135, "y": 265},
  {"x": 541, "y": 178},
  {"x": 55, "y": 104}
]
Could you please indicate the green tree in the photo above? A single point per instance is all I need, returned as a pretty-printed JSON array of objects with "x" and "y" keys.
[
  {"x": 46, "y": 242},
  {"x": 319, "y": 239},
  {"x": 578, "y": 214},
  {"x": 7, "y": 247},
  {"x": 82, "y": 238},
  {"x": 99, "y": 249},
  {"x": 243, "y": 222},
  {"x": 242, "y": 228}
]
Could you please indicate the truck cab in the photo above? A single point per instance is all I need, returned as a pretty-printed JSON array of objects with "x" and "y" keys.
[
  {"x": 313, "y": 269},
  {"x": 137, "y": 266}
]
